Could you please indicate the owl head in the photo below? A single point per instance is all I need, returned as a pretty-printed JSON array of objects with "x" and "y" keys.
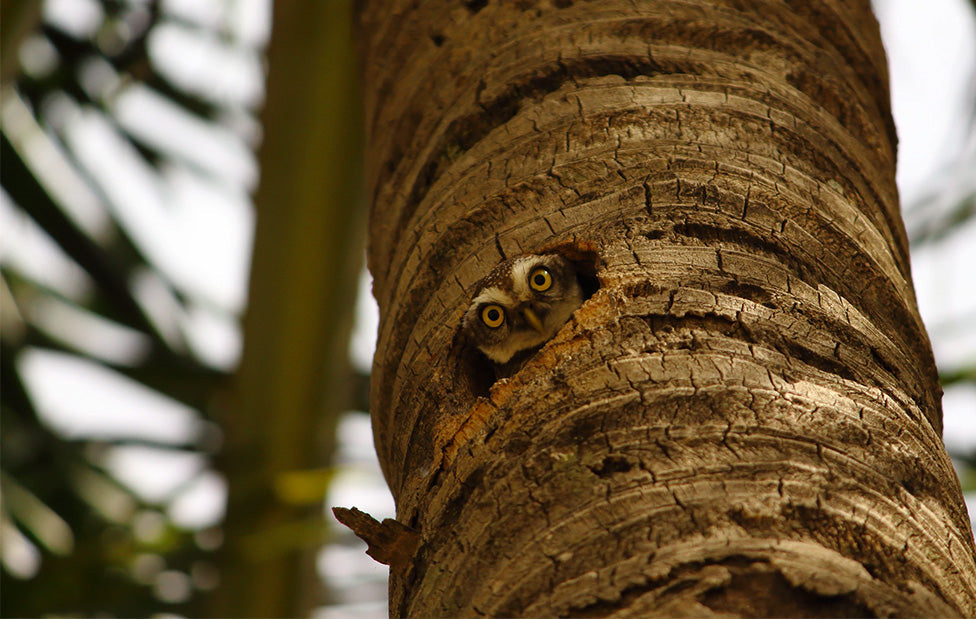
[{"x": 521, "y": 304}]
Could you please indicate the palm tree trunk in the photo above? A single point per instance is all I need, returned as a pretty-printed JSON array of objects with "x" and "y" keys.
[
  {"x": 745, "y": 416},
  {"x": 293, "y": 380}
]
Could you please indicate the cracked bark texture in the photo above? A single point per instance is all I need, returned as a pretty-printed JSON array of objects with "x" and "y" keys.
[{"x": 745, "y": 417}]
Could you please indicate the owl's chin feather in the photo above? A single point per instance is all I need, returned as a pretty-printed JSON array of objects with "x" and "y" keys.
[
  {"x": 515, "y": 343},
  {"x": 513, "y": 365}
]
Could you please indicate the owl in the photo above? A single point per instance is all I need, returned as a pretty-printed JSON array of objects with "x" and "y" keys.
[{"x": 521, "y": 304}]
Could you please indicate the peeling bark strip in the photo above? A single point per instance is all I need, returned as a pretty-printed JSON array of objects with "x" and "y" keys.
[{"x": 744, "y": 417}]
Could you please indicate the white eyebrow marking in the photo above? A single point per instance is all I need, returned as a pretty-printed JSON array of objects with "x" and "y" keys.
[
  {"x": 493, "y": 295},
  {"x": 520, "y": 277}
]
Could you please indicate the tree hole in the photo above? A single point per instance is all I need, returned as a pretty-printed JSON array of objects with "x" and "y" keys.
[{"x": 612, "y": 465}]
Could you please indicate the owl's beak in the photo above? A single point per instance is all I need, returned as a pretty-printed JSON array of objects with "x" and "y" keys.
[{"x": 533, "y": 319}]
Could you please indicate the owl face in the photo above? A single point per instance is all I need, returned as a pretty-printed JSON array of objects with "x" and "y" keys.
[{"x": 521, "y": 304}]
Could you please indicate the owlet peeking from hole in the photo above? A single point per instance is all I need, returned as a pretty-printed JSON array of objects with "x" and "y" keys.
[{"x": 521, "y": 304}]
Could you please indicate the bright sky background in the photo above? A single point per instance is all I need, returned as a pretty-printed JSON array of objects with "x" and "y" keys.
[
  {"x": 931, "y": 52},
  {"x": 931, "y": 47}
]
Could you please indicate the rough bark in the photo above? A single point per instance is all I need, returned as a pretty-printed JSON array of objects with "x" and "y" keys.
[{"x": 745, "y": 416}]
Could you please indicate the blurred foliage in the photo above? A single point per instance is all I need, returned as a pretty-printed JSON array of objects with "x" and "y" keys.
[
  {"x": 75, "y": 539},
  {"x": 109, "y": 110}
]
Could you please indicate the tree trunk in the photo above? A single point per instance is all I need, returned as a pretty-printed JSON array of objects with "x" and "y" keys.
[
  {"x": 745, "y": 415},
  {"x": 292, "y": 382}
]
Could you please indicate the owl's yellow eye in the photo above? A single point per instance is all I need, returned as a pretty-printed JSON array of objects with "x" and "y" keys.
[
  {"x": 540, "y": 280},
  {"x": 493, "y": 315}
]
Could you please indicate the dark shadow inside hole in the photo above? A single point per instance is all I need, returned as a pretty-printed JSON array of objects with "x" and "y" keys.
[
  {"x": 477, "y": 371},
  {"x": 585, "y": 259}
]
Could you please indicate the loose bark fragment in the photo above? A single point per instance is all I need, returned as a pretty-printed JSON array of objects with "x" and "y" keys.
[{"x": 389, "y": 542}]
